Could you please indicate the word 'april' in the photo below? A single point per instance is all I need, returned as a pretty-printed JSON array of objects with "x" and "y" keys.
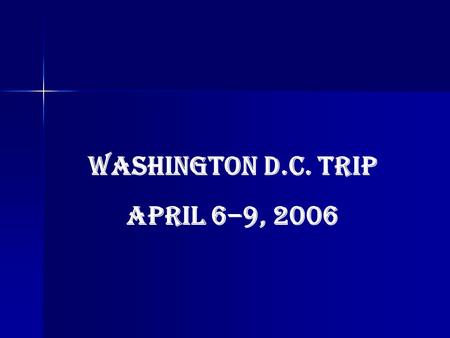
[{"x": 229, "y": 165}]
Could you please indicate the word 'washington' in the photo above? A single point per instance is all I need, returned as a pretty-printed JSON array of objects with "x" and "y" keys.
[{"x": 228, "y": 165}]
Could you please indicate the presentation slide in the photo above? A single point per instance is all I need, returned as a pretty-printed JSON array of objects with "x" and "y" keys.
[{"x": 175, "y": 169}]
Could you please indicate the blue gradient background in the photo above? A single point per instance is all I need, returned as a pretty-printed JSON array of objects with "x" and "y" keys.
[{"x": 235, "y": 78}]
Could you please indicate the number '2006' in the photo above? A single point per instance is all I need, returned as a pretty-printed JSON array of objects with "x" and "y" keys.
[{"x": 313, "y": 215}]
